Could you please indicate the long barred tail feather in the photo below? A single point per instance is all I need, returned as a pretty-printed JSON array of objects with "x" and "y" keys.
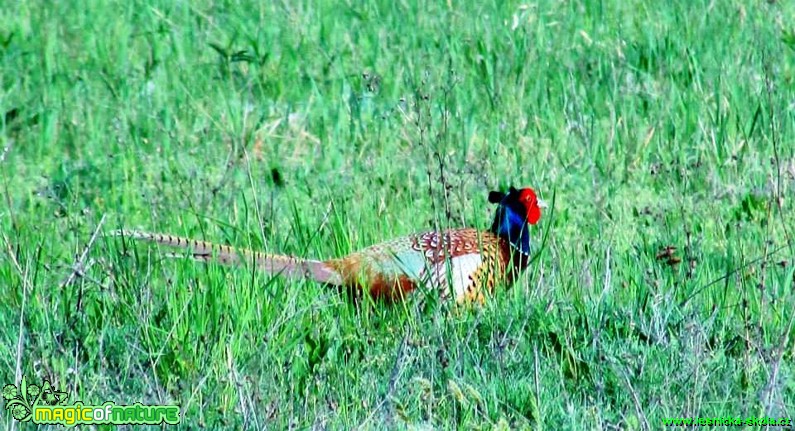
[{"x": 288, "y": 266}]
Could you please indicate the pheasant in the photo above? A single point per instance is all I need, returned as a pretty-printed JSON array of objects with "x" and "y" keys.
[{"x": 463, "y": 264}]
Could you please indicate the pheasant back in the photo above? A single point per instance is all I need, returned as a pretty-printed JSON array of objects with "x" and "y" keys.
[{"x": 462, "y": 264}]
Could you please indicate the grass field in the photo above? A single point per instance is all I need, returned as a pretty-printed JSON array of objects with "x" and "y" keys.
[{"x": 317, "y": 128}]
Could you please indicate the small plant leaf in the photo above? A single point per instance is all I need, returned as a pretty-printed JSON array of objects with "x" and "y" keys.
[{"x": 23, "y": 387}]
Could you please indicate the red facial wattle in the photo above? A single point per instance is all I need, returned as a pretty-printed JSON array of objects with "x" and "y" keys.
[{"x": 533, "y": 214}]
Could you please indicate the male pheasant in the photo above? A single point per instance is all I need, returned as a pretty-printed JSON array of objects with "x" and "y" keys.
[{"x": 459, "y": 263}]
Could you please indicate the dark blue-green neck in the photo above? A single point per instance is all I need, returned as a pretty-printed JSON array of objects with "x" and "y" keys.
[{"x": 513, "y": 227}]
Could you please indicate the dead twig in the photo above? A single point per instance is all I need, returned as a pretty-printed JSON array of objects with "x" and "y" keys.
[
  {"x": 635, "y": 400},
  {"x": 387, "y": 403},
  {"x": 26, "y": 287},
  {"x": 79, "y": 267}
]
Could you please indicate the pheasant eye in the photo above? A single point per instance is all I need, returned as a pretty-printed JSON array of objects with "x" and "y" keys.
[{"x": 527, "y": 196}]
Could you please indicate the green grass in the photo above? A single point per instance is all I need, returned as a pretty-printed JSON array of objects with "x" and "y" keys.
[{"x": 317, "y": 128}]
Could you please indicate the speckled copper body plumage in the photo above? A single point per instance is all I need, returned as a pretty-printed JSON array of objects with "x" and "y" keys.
[{"x": 459, "y": 263}]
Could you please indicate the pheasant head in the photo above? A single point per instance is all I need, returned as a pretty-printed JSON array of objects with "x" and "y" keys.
[{"x": 516, "y": 211}]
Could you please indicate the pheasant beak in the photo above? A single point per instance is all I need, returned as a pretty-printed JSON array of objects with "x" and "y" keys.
[{"x": 542, "y": 204}]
